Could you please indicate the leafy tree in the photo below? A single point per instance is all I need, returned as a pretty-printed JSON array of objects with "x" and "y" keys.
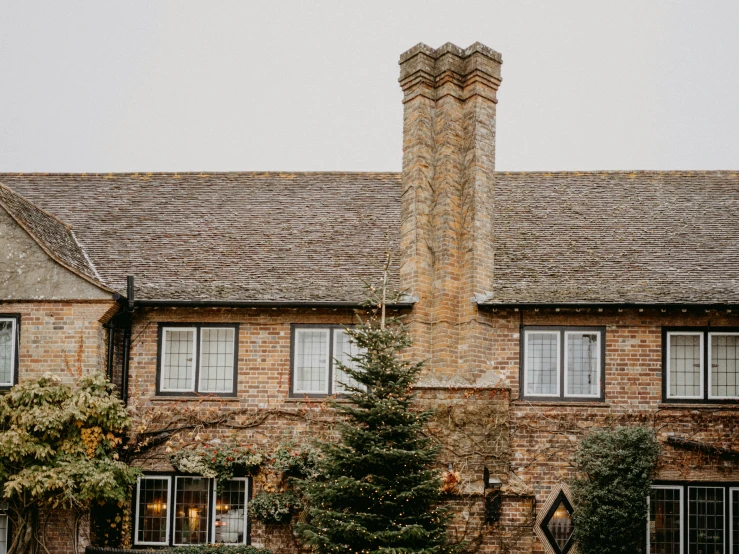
[
  {"x": 615, "y": 476},
  {"x": 58, "y": 449},
  {"x": 378, "y": 491}
]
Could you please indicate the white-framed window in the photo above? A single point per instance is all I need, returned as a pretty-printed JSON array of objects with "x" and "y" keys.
[
  {"x": 230, "y": 511},
  {"x": 693, "y": 518},
  {"x": 188, "y": 510},
  {"x": 197, "y": 359},
  {"x": 701, "y": 365},
  {"x": 562, "y": 362},
  {"x": 3, "y": 533},
  {"x": 8, "y": 350},
  {"x": 153, "y": 499},
  {"x": 315, "y": 351}
]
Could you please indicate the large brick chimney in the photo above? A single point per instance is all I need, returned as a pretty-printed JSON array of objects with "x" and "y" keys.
[{"x": 447, "y": 203}]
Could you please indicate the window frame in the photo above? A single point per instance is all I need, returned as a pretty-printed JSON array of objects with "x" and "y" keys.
[
  {"x": 137, "y": 492},
  {"x": 197, "y": 347},
  {"x": 562, "y": 331},
  {"x": 727, "y": 486},
  {"x": 15, "y": 320},
  {"x": 295, "y": 328},
  {"x": 208, "y": 496},
  {"x": 172, "y": 477},
  {"x": 731, "y": 516},
  {"x": 706, "y": 332}
]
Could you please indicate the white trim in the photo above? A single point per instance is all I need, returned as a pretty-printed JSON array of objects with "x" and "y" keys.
[
  {"x": 732, "y": 490},
  {"x": 164, "y": 350},
  {"x": 200, "y": 361},
  {"x": 167, "y": 478},
  {"x": 4, "y": 537},
  {"x": 710, "y": 367},
  {"x": 682, "y": 514},
  {"x": 526, "y": 361},
  {"x": 246, "y": 510},
  {"x": 13, "y": 341},
  {"x": 667, "y": 364},
  {"x": 597, "y": 364},
  {"x": 174, "y": 508},
  {"x": 723, "y": 495},
  {"x": 298, "y": 332}
]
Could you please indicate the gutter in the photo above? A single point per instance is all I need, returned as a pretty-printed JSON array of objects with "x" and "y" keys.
[
  {"x": 658, "y": 305},
  {"x": 266, "y": 304}
]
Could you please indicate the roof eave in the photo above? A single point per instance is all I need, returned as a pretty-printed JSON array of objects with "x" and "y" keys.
[{"x": 335, "y": 304}]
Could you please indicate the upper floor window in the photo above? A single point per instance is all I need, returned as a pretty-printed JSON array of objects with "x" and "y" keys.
[
  {"x": 563, "y": 363},
  {"x": 197, "y": 359},
  {"x": 701, "y": 364},
  {"x": 8, "y": 350},
  {"x": 183, "y": 510},
  {"x": 314, "y": 351}
]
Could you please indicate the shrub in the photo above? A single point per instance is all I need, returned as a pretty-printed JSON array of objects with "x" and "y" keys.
[
  {"x": 610, "y": 494},
  {"x": 216, "y": 549},
  {"x": 274, "y": 507}
]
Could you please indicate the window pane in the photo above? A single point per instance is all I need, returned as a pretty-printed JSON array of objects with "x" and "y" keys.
[
  {"x": 723, "y": 364},
  {"x": 177, "y": 362},
  {"x": 685, "y": 365},
  {"x": 7, "y": 347},
  {"x": 705, "y": 520},
  {"x": 216, "y": 359},
  {"x": 541, "y": 363},
  {"x": 664, "y": 521},
  {"x": 582, "y": 363},
  {"x": 3, "y": 534},
  {"x": 230, "y": 516},
  {"x": 152, "y": 512},
  {"x": 191, "y": 510},
  {"x": 311, "y": 360},
  {"x": 735, "y": 521},
  {"x": 344, "y": 348}
]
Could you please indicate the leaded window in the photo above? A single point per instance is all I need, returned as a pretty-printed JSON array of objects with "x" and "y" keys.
[
  {"x": 8, "y": 350},
  {"x": 3, "y": 533},
  {"x": 190, "y": 510},
  {"x": 315, "y": 352},
  {"x": 563, "y": 362},
  {"x": 693, "y": 519},
  {"x": 558, "y": 525},
  {"x": 152, "y": 513},
  {"x": 198, "y": 359},
  {"x": 701, "y": 365}
]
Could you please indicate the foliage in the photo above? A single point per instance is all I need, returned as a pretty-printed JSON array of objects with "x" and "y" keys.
[
  {"x": 59, "y": 448},
  {"x": 274, "y": 507},
  {"x": 378, "y": 491},
  {"x": 219, "y": 461},
  {"x": 291, "y": 462},
  {"x": 610, "y": 494},
  {"x": 216, "y": 549}
]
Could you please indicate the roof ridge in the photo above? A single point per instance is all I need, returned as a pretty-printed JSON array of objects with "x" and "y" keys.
[{"x": 187, "y": 173}]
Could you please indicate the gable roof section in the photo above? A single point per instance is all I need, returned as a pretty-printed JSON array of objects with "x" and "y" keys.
[
  {"x": 310, "y": 237},
  {"x": 52, "y": 235},
  {"x": 641, "y": 237}
]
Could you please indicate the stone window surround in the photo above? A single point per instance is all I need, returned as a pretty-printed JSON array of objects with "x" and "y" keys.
[
  {"x": 15, "y": 319},
  {"x": 172, "y": 477},
  {"x": 196, "y": 383},
  {"x": 705, "y": 369},
  {"x": 562, "y": 396}
]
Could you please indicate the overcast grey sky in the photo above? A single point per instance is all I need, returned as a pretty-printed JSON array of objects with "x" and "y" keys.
[{"x": 93, "y": 86}]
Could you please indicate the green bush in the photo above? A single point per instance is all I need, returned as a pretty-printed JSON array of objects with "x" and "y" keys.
[
  {"x": 274, "y": 507},
  {"x": 216, "y": 549},
  {"x": 615, "y": 468}
]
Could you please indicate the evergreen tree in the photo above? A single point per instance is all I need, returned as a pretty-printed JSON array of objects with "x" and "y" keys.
[{"x": 378, "y": 492}]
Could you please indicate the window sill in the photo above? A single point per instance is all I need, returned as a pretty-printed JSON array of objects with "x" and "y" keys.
[
  {"x": 561, "y": 403},
  {"x": 194, "y": 398},
  {"x": 698, "y": 406},
  {"x": 316, "y": 399}
]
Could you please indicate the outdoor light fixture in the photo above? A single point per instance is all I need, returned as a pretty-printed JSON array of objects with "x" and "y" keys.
[{"x": 493, "y": 499}]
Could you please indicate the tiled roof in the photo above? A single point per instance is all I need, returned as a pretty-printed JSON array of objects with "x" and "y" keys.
[
  {"x": 229, "y": 236},
  {"x": 56, "y": 238},
  {"x": 631, "y": 237},
  {"x": 591, "y": 237}
]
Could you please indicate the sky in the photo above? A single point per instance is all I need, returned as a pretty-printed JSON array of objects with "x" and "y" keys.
[{"x": 181, "y": 85}]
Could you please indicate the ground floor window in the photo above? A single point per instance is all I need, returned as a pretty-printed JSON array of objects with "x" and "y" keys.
[
  {"x": 3, "y": 533},
  {"x": 184, "y": 510},
  {"x": 694, "y": 518}
]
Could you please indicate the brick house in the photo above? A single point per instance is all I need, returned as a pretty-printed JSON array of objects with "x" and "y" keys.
[{"x": 545, "y": 304}]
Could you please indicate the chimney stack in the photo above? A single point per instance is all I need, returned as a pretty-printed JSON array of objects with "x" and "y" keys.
[{"x": 447, "y": 203}]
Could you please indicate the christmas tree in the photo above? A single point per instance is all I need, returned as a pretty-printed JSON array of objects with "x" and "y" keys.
[{"x": 378, "y": 491}]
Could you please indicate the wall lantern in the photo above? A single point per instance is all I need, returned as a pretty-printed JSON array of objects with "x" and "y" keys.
[{"x": 493, "y": 499}]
